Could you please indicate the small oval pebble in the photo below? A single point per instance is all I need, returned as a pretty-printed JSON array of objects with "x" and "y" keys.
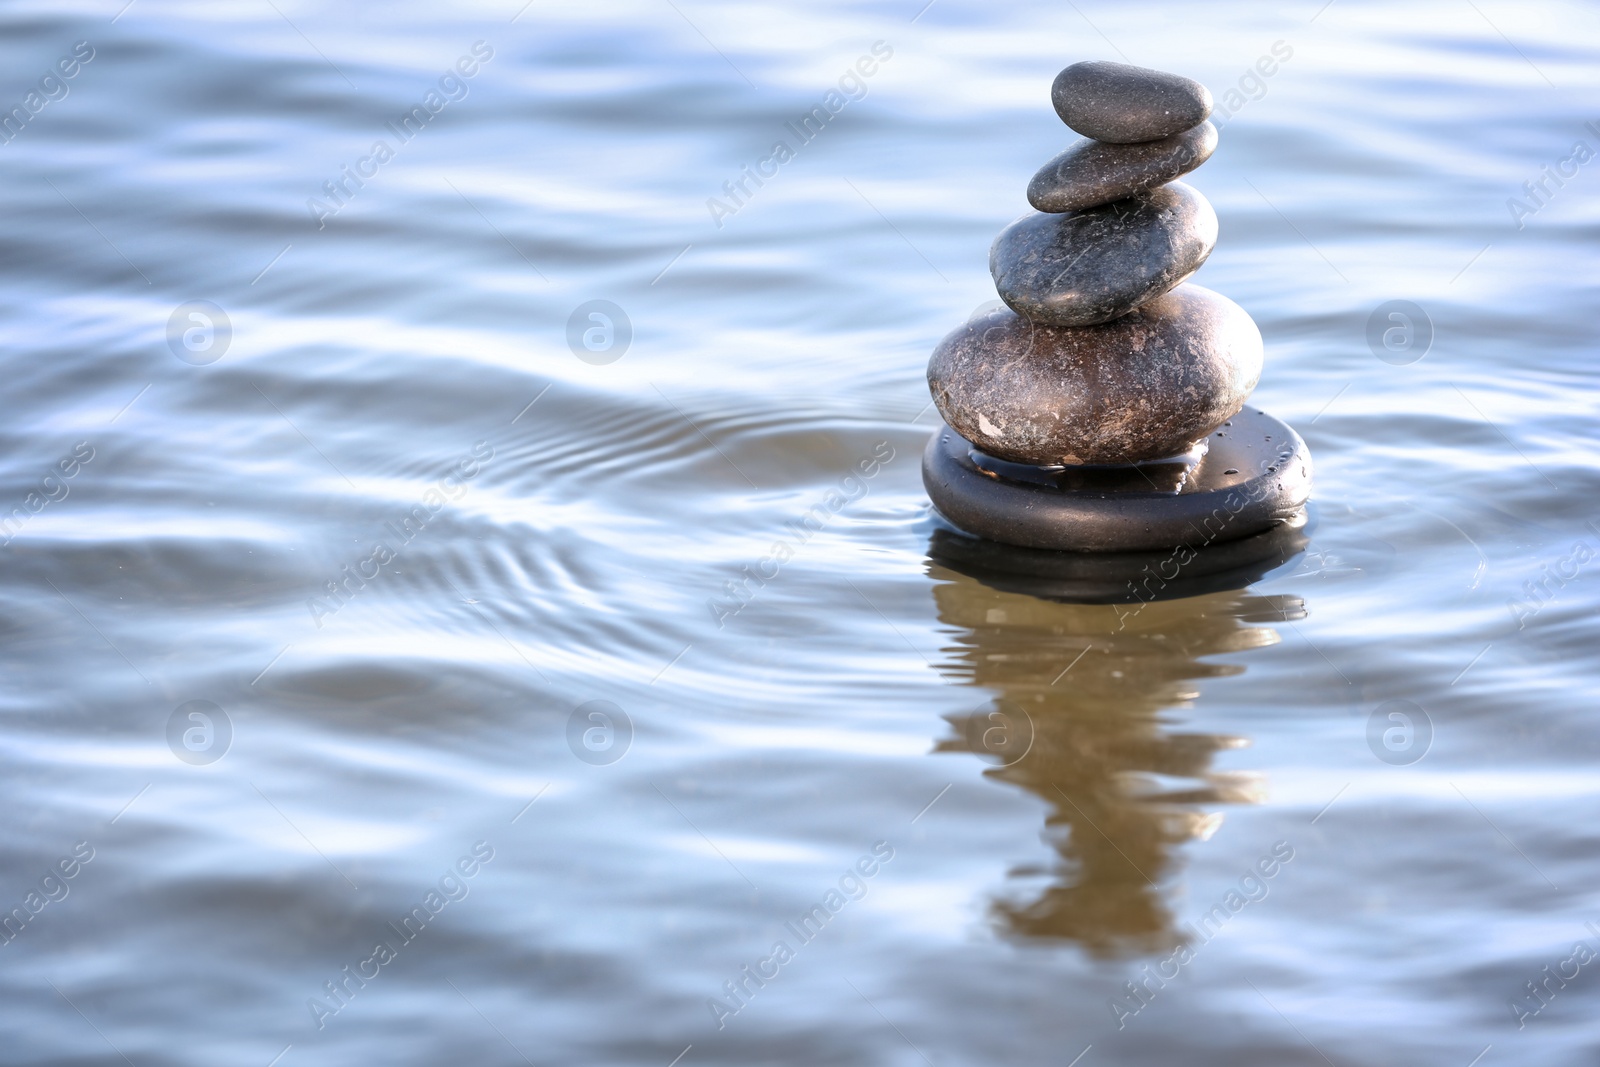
[
  {"x": 1123, "y": 104},
  {"x": 1091, "y": 172},
  {"x": 1087, "y": 267},
  {"x": 1144, "y": 387}
]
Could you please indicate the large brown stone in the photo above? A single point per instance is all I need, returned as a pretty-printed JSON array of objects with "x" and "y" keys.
[
  {"x": 1091, "y": 266},
  {"x": 1146, "y": 386}
]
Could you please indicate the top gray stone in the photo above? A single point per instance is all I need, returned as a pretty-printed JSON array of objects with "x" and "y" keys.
[{"x": 1122, "y": 104}]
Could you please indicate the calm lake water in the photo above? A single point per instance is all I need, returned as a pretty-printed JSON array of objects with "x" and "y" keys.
[{"x": 1343, "y": 812}]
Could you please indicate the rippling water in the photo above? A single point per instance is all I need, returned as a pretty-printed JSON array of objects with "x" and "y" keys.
[{"x": 397, "y": 538}]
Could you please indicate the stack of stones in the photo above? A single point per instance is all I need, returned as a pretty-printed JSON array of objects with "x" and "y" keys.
[{"x": 1103, "y": 357}]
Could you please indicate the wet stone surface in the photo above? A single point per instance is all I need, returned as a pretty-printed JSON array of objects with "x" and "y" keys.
[
  {"x": 1124, "y": 104},
  {"x": 1092, "y": 266},
  {"x": 1256, "y": 477},
  {"x": 1145, "y": 387},
  {"x": 1091, "y": 172}
]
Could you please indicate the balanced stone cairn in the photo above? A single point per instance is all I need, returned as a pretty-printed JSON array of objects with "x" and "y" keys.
[{"x": 1102, "y": 409}]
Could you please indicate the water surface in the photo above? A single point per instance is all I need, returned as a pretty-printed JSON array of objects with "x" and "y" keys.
[{"x": 398, "y": 398}]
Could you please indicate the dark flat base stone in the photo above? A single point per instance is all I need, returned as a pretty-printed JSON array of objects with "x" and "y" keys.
[
  {"x": 1256, "y": 475},
  {"x": 1118, "y": 577}
]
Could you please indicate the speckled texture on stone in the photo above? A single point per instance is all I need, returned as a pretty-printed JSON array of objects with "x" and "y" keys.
[
  {"x": 1144, "y": 387},
  {"x": 1087, "y": 267},
  {"x": 1091, "y": 173},
  {"x": 1122, "y": 104}
]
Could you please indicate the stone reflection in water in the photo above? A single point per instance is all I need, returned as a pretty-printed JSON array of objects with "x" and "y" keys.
[{"x": 1124, "y": 790}]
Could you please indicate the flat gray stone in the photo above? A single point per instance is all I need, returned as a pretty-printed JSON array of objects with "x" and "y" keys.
[
  {"x": 1091, "y": 172},
  {"x": 1122, "y": 104},
  {"x": 1256, "y": 477},
  {"x": 1086, "y": 267},
  {"x": 1145, "y": 387}
]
